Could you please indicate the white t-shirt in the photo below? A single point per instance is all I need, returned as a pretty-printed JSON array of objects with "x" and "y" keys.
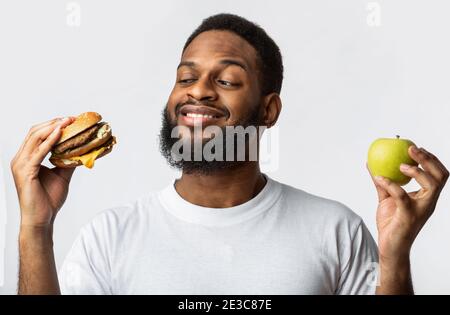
[{"x": 283, "y": 241}]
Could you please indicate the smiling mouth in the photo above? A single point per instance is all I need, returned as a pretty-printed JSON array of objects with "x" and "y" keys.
[
  {"x": 193, "y": 119},
  {"x": 195, "y": 113}
]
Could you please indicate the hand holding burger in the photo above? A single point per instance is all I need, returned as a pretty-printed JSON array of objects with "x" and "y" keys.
[
  {"x": 42, "y": 191},
  {"x": 73, "y": 141}
]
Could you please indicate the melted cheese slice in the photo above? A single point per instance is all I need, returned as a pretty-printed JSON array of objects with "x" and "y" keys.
[{"x": 88, "y": 159}]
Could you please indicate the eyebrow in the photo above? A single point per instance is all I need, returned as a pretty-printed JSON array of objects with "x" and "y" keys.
[
  {"x": 227, "y": 62},
  {"x": 189, "y": 64}
]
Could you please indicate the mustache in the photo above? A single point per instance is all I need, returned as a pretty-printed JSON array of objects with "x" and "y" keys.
[{"x": 205, "y": 103}]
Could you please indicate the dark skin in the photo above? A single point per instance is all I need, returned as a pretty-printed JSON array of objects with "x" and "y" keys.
[
  {"x": 210, "y": 72},
  {"x": 222, "y": 68},
  {"x": 201, "y": 76}
]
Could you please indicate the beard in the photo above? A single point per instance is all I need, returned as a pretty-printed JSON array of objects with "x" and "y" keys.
[{"x": 203, "y": 166}]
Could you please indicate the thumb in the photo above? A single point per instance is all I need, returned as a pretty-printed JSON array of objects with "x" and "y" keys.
[
  {"x": 65, "y": 173},
  {"x": 381, "y": 192}
]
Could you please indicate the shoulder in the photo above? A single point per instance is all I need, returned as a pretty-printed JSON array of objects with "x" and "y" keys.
[
  {"x": 329, "y": 224},
  {"x": 123, "y": 217},
  {"x": 320, "y": 211}
]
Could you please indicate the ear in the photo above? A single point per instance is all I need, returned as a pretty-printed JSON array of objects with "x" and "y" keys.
[{"x": 271, "y": 109}]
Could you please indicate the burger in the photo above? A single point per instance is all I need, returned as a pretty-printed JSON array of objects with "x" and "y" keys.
[{"x": 86, "y": 139}]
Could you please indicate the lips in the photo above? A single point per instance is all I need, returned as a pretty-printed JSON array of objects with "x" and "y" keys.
[{"x": 191, "y": 115}]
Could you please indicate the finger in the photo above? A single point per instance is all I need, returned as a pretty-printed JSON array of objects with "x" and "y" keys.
[
  {"x": 48, "y": 123},
  {"x": 44, "y": 124},
  {"x": 45, "y": 147},
  {"x": 413, "y": 194},
  {"x": 429, "y": 163},
  {"x": 40, "y": 126},
  {"x": 444, "y": 171},
  {"x": 40, "y": 135},
  {"x": 425, "y": 180},
  {"x": 400, "y": 196},
  {"x": 29, "y": 146},
  {"x": 34, "y": 129},
  {"x": 31, "y": 131},
  {"x": 381, "y": 192}
]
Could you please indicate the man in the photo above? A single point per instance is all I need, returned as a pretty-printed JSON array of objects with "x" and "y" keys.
[{"x": 223, "y": 227}]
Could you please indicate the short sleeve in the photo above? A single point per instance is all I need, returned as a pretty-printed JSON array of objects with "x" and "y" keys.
[
  {"x": 86, "y": 269},
  {"x": 359, "y": 274}
]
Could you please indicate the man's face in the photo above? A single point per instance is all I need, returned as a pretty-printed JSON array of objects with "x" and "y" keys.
[
  {"x": 217, "y": 83},
  {"x": 218, "y": 76}
]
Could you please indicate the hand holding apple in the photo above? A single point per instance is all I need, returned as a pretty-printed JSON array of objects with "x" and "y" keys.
[
  {"x": 401, "y": 215},
  {"x": 385, "y": 157}
]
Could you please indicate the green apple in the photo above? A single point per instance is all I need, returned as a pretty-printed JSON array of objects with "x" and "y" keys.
[{"x": 385, "y": 156}]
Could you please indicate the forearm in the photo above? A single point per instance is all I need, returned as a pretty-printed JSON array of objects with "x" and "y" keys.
[
  {"x": 395, "y": 278},
  {"x": 37, "y": 269}
]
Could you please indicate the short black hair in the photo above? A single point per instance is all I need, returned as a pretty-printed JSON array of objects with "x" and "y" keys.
[{"x": 271, "y": 62}]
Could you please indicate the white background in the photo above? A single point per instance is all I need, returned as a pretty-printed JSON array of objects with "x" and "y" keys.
[{"x": 346, "y": 84}]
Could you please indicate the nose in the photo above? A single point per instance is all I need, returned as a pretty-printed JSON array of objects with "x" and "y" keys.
[{"x": 202, "y": 90}]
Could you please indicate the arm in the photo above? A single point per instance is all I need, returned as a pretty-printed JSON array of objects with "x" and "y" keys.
[
  {"x": 37, "y": 269},
  {"x": 395, "y": 278},
  {"x": 41, "y": 192},
  {"x": 401, "y": 216}
]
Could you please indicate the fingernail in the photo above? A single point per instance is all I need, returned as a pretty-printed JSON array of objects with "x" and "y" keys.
[
  {"x": 379, "y": 178},
  {"x": 63, "y": 120},
  {"x": 404, "y": 167},
  {"x": 414, "y": 149},
  {"x": 57, "y": 129}
]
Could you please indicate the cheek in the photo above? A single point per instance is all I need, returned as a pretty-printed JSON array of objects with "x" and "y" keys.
[
  {"x": 240, "y": 106},
  {"x": 172, "y": 102}
]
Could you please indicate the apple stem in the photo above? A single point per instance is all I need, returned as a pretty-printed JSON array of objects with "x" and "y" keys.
[{"x": 398, "y": 137}]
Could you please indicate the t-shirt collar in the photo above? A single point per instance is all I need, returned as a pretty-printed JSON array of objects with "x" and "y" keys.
[{"x": 184, "y": 210}]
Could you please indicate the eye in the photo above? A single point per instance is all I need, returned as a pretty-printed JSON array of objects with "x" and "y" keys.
[
  {"x": 186, "y": 81},
  {"x": 225, "y": 83}
]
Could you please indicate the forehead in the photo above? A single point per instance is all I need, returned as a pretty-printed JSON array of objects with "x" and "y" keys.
[{"x": 215, "y": 44}]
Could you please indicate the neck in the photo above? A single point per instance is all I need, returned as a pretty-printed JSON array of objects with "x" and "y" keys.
[{"x": 222, "y": 189}]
